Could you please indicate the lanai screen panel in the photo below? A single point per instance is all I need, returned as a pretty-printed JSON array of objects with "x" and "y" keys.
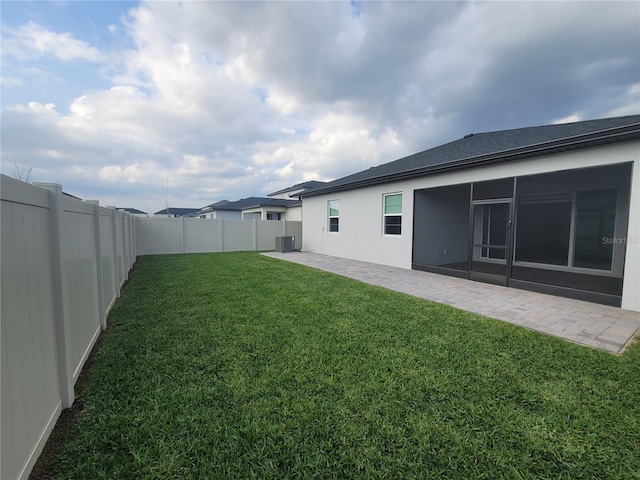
[{"x": 567, "y": 224}]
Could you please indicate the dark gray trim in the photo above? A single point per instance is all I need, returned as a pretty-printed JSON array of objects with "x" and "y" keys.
[
  {"x": 593, "y": 297},
  {"x": 488, "y": 278},
  {"x": 470, "y": 227},
  {"x": 511, "y": 230},
  {"x": 440, "y": 270}
]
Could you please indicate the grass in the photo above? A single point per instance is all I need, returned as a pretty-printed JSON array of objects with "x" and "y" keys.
[{"x": 241, "y": 366}]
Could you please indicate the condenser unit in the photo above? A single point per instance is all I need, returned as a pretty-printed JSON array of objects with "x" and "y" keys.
[{"x": 285, "y": 244}]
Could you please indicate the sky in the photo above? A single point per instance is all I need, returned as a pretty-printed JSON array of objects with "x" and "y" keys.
[{"x": 144, "y": 104}]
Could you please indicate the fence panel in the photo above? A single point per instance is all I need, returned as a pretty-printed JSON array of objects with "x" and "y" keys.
[
  {"x": 31, "y": 401},
  {"x": 238, "y": 235},
  {"x": 202, "y": 235},
  {"x": 79, "y": 281},
  {"x": 267, "y": 231},
  {"x": 131, "y": 249},
  {"x": 159, "y": 235},
  {"x": 295, "y": 229},
  {"x": 109, "y": 266},
  {"x": 59, "y": 278}
]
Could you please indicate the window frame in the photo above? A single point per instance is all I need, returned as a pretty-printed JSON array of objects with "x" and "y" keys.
[
  {"x": 386, "y": 215},
  {"x": 333, "y": 219}
]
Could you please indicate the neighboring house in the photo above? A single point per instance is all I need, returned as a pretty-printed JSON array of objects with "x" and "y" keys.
[
  {"x": 296, "y": 190},
  {"x": 261, "y": 208},
  {"x": 176, "y": 212},
  {"x": 553, "y": 208},
  {"x": 216, "y": 211},
  {"x": 135, "y": 212}
]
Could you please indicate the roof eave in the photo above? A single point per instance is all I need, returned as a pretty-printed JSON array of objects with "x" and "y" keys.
[{"x": 619, "y": 134}]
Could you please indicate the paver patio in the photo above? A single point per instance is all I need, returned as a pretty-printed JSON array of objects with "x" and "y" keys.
[{"x": 599, "y": 326}]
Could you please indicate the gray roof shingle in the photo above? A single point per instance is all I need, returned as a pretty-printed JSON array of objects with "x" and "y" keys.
[
  {"x": 251, "y": 202},
  {"x": 493, "y": 147},
  {"x": 179, "y": 212},
  {"x": 303, "y": 187}
]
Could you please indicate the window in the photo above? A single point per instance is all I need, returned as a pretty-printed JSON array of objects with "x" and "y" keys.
[
  {"x": 334, "y": 215},
  {"x": 392, "y": 214},
  {"x": 274, "y": 216}
]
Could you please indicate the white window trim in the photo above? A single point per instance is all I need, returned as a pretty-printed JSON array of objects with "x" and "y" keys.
[
  {"x": 329, "y": 216},
  {"x": 384, "y": 215}
]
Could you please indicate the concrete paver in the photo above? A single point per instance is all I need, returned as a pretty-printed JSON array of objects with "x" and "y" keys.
[{"x": 599, "y": 326}]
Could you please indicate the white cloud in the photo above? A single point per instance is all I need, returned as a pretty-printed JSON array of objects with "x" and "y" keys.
[
  {"x": 33, "y": 39},
  {"x": 11, "y": 81},
  {"x": 576, "y": 117},
  {"x": 339, "y": 143},
  {"x": 232, "y": 99},
  {"x": 630, "y": 102},
  {"x": 117, "y": 173}
]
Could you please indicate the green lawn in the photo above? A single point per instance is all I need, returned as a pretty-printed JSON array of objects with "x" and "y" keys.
[{"x": 237, "y": 365}]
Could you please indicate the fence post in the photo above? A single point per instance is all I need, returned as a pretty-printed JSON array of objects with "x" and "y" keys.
[
  {"x": 65, "y": 378},
  {"x": 183, "y": 249},
  {"x": 125, "y": 244},
  {"x": 128, "y": 242},
  {"x": 123, "y": 236},
  {"x": 255, "y": 234},
  {"x": 222, "y": 234},
  {"x": 132, "y": 241},
  {"x": 116, "y": 263}
]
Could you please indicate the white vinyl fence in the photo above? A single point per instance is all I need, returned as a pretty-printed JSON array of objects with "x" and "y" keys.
[
  {"x": 196, "y": 235},
  {"x": 63, "y": 264}
]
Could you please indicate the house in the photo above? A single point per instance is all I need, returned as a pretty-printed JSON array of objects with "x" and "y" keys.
[
  {"x": 217, "y": 210},
  {"x": 553, "y": 208},
  {"x": 261, "y": 208},
  {"x": 173, "y": 212},
  {"x": 296, "y": 190}
]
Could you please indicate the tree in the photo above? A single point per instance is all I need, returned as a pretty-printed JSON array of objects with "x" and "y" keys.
[
  {"x": 165, "y": 195},
  {"x": 20, "y": 171}
]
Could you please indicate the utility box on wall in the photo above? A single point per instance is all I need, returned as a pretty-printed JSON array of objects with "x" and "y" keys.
[{"x": 285, "y": 244}]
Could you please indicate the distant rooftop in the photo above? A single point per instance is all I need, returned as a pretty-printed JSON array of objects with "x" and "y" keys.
[
  {"x": 133, "y": 211},
  {"x": 251, "y": 202},
  {"x": 178, "y": 212}
]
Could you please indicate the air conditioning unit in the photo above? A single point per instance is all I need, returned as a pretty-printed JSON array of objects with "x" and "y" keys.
[{"x": 285, "y": 244}]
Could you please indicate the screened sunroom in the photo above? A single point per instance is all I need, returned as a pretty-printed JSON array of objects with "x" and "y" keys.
[{"x": 562, "y": 233}]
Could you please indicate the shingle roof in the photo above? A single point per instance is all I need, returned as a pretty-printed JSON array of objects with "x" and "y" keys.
[
  {"x": 252, "y": 202},
  {"x": 133, "y": 210},
  {"x": 179, "y": 212},
  {"x": 493, "y": 147},
  {"x": 304, "y": 186}
]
